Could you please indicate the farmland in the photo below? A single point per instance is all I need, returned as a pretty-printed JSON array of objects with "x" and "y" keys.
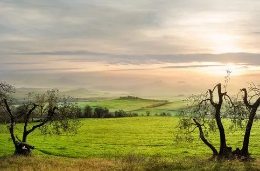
[{"x": 140, "y": 106}]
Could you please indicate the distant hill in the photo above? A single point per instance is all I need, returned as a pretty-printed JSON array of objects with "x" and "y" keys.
[
  {"x": 82, "y": 93},
  {"x": 23, "y": 92},
  {"x": 75, "y": 93}
]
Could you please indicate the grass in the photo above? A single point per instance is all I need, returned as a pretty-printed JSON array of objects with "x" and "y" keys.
[
  {"x": 55, "y": 163},
  {"x": 138, "y": 143},
  {"x": 130, "y": 163},
  {"x": 108, "y": 138},
  {"x": 140, "y": 106}
]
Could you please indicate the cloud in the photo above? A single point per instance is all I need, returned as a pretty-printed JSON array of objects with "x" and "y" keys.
[
  {"x": 43, "y": 41},
  {"x": 256, "y": 32},
  {"x": 81, "y": 56},
  {"x": 42, "y": 70},
  {"x": 181, "y": 82},
  {"x": 20, "y": 63},
  {"x": 192, "y": 66},
  {"x": 65, "y": 53},
  {"x": 129, "y": 26}
]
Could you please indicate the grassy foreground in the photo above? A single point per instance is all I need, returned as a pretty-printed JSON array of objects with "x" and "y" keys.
[
  {"x": 130, "y": 163},
  {"x": 138, "y": 143}
]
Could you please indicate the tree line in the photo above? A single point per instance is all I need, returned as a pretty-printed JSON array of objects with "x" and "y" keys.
[{"x": 103, "y": 112}]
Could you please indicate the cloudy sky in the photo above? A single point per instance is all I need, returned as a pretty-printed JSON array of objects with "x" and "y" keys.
[{"x": 139, "y": 46}]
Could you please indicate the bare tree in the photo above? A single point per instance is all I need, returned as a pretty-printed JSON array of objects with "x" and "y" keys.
[{"x": 60, "y": 115}]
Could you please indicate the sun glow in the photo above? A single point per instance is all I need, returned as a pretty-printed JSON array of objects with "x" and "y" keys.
[
  {"x": 223, "y": 43},
  {"x": 236, "y": 69}
]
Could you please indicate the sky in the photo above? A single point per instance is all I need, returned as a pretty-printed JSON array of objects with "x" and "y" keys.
[{"x": 160, "y": 47}]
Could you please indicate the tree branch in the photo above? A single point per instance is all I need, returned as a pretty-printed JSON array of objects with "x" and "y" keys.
[
  {"x": 220, "y": 95},
  {"x": 202, "y": 137},
  {"x": 245, "y": 98},
  {"x": 27, "y": 120},
  {"x": 211, "y": 98},
  {"x": 12, "y": 123},
  {"x": 48, "y": 118}
]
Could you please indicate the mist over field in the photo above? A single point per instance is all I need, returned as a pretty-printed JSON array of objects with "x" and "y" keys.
[{"x": 147, "y": 75}]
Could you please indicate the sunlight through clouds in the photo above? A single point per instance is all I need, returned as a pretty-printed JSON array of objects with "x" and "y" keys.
[{"x": 143, "y": 42}]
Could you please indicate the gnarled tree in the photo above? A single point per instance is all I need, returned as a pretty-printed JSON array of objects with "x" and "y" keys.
[
  {"x": 205, "y": 113},
  {"x": 52, "y": 111},
  {"x": 252, "y": 94}
]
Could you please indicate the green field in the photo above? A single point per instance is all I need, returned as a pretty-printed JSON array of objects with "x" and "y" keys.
[
  {"x": 121, "y": 143},
  {"x": 106, "y": 138},
  {"x": 135, "y": 143},
  {"x": 140, "y": 106}
]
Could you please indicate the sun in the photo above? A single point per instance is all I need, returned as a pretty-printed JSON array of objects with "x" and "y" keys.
[{"x": 223, "y": 43}]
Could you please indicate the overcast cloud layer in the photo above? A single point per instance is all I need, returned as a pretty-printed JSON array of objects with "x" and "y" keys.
[
  {"x": 129, "y": 26},
  {"x": 79, "y": 43}
]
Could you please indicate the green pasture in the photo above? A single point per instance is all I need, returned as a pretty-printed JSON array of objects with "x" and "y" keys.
[
  {"x": 140, "y": 106},
  {"x": 119, "y": 137}
]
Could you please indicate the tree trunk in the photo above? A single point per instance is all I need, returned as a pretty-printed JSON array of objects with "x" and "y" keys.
[
  {"x": 244, "y": 149},
  {"x": 223, "y": 145},
  {"x": 22, "y": 148},
  {"x": 254, "y": 107}
]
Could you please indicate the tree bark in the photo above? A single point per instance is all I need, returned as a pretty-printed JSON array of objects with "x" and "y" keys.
[
  {"x": 23, "y": 149},
  {"x": 253, "y": 108},
  {"x": 222, "y": 135},
  {"x": 249, "y": 125},
  {"x": 12, "y": 122},
  {"x": 217, "y": 106}
]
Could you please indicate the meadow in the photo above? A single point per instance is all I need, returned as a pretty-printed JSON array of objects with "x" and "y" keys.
[
  {"x": 135, "y": 143},
  {"x": 140, "y": 106}
]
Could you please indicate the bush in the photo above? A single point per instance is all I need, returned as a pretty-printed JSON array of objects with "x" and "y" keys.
[
  {"x": 164, "y": 114},
  {"x": 100, "y": 112},
  {"x": 88, "y": 111},
  {"x": 120, "y": 113}
]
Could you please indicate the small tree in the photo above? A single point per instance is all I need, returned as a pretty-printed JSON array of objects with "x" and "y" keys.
[
  {"x": 88, "y": 111},
  {"x": 60, "y": 117},
  {"x": 100, "y": 112},
  {"x": 120, "y": 113}
]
